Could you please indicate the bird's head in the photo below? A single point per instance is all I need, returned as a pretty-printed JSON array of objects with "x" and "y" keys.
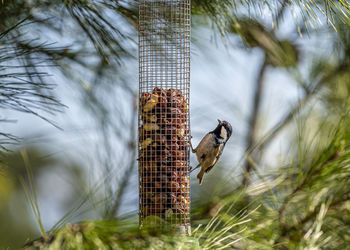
[{"x": 224, "y": 130}]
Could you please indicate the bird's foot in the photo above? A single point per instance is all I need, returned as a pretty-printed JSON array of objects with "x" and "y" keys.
[
  {"x": 190, "y": 143},
  {"x": 190, "y": 169}
]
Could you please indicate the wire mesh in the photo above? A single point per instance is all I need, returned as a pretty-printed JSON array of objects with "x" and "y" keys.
[{"x": 164, "y": 123}]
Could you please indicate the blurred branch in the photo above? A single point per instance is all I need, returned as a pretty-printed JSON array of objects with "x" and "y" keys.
[
  {"x": 270, "y": 135},
  {"x": 132, "y": 163},
  {"x": 251, "y": 136},
  {"x": 5, "y": 140},
  {"x": 252, "y": 133}
]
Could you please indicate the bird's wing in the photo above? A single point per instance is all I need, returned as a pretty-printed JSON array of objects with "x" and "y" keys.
[
  {"x": 218, "y": 154},
  {"x": 202, "y": 150}
]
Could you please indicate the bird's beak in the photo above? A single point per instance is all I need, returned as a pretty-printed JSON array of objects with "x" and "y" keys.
[{"x": 219, "y": 121}]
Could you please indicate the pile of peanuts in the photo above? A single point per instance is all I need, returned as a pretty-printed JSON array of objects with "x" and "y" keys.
[{"x": 163, "y": 153}]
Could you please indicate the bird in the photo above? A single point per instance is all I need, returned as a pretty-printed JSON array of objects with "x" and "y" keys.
[{"x": 210, "y": 148}]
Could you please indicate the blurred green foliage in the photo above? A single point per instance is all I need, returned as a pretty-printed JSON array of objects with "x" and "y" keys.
[{"x": 17, "y": 220}]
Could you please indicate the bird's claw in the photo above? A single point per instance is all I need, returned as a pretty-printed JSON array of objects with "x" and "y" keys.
[
  {"x": 190, "y": 143},
  {"x": 190, "y": 168}
]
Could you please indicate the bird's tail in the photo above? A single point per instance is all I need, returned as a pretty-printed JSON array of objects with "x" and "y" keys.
[{"x": 200, "y": 176}]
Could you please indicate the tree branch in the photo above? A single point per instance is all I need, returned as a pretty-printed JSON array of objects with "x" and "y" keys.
[
  {"x": 269, "y": 136},
  {"x": 251, "y": 136},
  {"x": 126, "y": 177}
]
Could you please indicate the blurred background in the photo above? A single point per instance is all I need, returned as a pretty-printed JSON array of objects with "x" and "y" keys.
[{"x": 278, "y": 71}]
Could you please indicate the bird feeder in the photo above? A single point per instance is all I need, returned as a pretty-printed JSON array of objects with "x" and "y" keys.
[{"x": 164, "y": 121}]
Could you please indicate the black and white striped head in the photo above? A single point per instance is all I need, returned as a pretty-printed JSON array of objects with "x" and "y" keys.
[{"x": 223, "y": 130}]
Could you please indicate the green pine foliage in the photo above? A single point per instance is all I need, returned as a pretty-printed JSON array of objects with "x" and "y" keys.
[{"x": 109, "y": 235}]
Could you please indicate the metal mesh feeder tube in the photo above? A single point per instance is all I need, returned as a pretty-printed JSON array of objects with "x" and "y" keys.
[{"x": 164, "y": 122}]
